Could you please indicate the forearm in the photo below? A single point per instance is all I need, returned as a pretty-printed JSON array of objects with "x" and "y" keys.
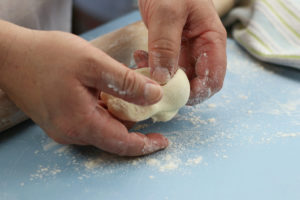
[
  {"x": 12, "y": 50},
  {"x": 9, "y": 113},
  {"x": 7, "y": 35},
  {"x": 15, "y": 58}
]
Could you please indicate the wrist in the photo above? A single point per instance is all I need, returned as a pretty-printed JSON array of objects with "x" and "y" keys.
[{"x": 13, "y": 41}]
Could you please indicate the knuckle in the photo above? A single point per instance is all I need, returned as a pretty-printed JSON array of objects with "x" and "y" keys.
[
  {"x": 129, "y": 82},
  {"x": 222, "y": 34},
  {"x": 122, "y": 150},
  {"x": 214, "y": 25},
  {"x": 163, "y": 46},
  {"x": 89, "y": 69},
  {"x": 90, "y": 63},
  {"x": 214, "y": 37},
  {"x": 169, "y": 9}
]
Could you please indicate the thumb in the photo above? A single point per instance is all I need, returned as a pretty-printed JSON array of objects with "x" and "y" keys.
[
  {"x": 108, "y": 75},
  {"x": 165, "y": 27}
]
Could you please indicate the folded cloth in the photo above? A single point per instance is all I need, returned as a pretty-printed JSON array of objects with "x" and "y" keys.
[{"x": 268, "y": 29}]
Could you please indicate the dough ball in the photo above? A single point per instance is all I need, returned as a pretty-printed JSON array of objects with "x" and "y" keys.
[{"x": 175, "y": 95}]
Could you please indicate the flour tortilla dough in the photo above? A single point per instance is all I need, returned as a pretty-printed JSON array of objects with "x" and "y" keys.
[{"x": 175, "y": 95}]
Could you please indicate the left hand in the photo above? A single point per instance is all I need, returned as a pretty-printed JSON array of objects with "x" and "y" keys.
[
  {"x": 188, "y": 33},
  {"x": 56, "y": 77}
]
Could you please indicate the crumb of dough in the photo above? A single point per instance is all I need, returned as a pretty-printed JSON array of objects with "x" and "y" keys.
[
  {"x": 212, "y": 120},
  {"x": 151, "y": 177},
  {"x": 211, "y": 105}
]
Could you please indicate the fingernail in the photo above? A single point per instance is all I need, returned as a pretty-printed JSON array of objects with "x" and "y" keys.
[
  {"x": 152, "y": 92},
  {"x": 165, "y": 142},
  {"x": 161, "y": 75},
  {"x": 159, "y": 144},
  {"x": 155, "y": 144}
]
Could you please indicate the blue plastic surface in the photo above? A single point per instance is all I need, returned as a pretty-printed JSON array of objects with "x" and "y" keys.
[{"x": 243, "y": 143}]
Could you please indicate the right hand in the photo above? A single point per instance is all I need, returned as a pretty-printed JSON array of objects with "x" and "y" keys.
[
  {"x": 186, "y": 33},
  {"x": 56, "y": 77}
]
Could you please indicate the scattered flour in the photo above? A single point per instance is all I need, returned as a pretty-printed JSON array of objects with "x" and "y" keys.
[
  {"x": 211, "y": 105},
  {"x": 280, "y": 134},
  {"x": 169, "y": 166},
  {"x": 134, "y": 162},
  {"x": 211, "y": 120},
  {"x": 194, "y": 161},
  {"x": 62, "y": 149},
  {"x": 153, "y": 162},
  {"x": 93, "y": 163},
  {"x": 170, "y": 162},
  {"x": 49, "y": 145},
  {"x": 291, "y": 105},
  {"x": 45, "y": 172},
  {"x": 242, "y": 96},
  {"x": 177, "y": 156}
]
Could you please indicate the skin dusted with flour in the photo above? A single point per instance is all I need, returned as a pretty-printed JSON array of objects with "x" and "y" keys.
[{"x": 175, "y": 95}]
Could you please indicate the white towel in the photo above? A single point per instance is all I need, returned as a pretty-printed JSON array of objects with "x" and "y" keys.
[{"x": 268, "y": 29}]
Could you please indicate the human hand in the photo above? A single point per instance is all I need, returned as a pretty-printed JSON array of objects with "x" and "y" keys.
[
  {"x": 56, "y": 77},
  {"x": 190, "y": 34}
]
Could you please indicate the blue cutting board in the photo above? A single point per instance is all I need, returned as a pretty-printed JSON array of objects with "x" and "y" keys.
[{"x": 243, "y": 143}]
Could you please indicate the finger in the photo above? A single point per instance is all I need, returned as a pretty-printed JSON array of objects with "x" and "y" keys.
[
  {"x": 209, "y": 51},
  {"x": 186, "y": 60},
  {"x": 210, "y": 72},
  {"x": 106, "y": 74},
  {"x": 110, "y": 135},
  {"x": 165, "y": 25},
  {"x": 141, "y": 58},
  {"x": 63, "y": 139}
]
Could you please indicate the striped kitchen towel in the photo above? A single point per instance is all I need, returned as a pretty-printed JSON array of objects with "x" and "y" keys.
[{"x": 268, "y": 29}]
